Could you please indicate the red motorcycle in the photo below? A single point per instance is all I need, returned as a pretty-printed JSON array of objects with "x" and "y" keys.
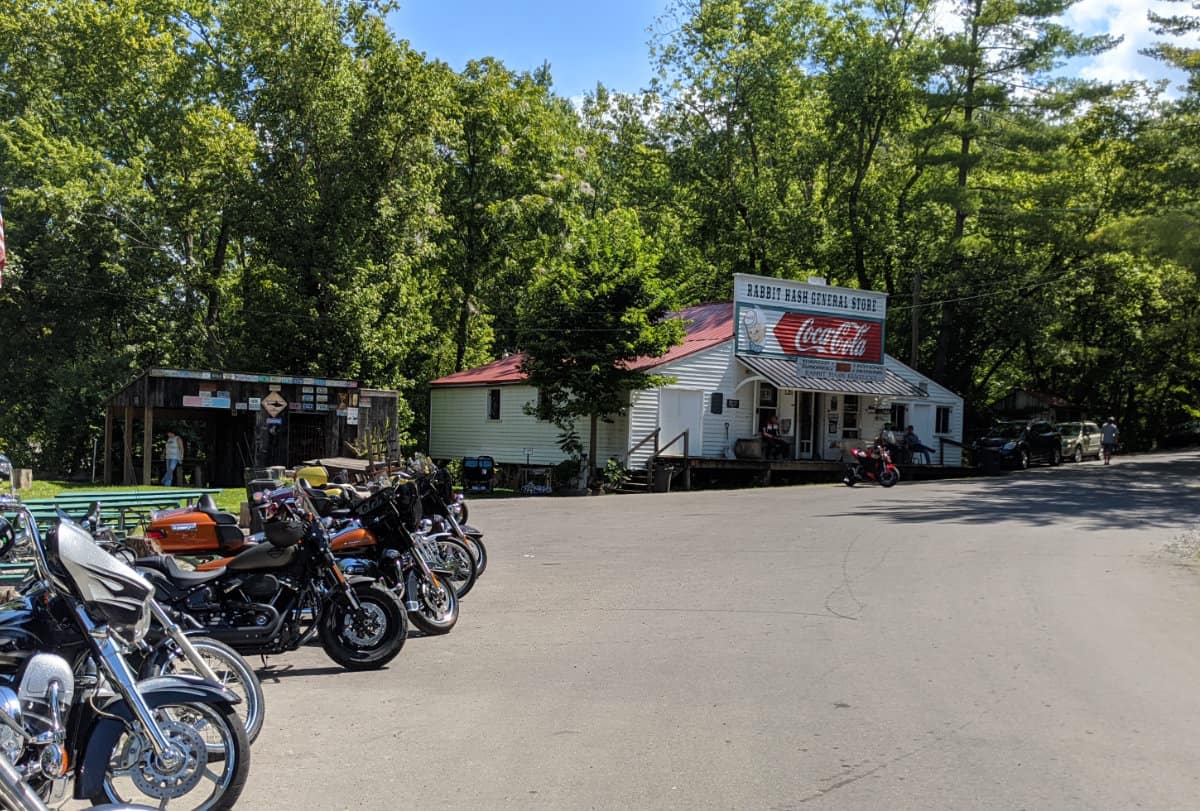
[{"x": 874, "y": 465}]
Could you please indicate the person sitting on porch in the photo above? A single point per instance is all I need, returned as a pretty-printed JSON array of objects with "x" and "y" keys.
[
  {"x": 774, "y": 447},
  {"x": 913, "y": 443},
  {"x": 887, "y": 438}
]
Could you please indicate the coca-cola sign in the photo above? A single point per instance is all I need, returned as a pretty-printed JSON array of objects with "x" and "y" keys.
[{"x": 830, "y": 337}]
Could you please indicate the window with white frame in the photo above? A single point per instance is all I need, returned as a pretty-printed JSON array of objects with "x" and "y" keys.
[
  {"x": 942, "y": 425},
  {"x": 493, "y": 404},
  {"x": 850, "y": 416}
]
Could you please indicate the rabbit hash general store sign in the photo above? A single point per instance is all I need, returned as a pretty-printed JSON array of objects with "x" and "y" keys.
[{"x": 831, "y": 332}]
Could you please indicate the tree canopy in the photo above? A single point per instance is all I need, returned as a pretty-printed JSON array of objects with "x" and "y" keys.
[{"x": 290, "y": 187}]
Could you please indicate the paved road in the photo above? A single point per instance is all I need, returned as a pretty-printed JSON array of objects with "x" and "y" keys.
[{"x": 1027, "y": 641}]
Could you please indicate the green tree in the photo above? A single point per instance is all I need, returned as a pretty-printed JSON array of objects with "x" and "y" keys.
[
  {"x": 997, "y": 67},
  {"x": 591, "y": 311}
]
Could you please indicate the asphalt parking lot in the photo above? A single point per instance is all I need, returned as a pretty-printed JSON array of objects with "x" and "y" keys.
[{"x": 1024, "y": 641}]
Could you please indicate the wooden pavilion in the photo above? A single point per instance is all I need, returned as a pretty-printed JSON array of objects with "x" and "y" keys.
[{"x": 242, "y": 421}]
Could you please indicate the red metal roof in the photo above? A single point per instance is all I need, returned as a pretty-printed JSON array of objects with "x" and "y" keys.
[{"x": 708, "y": 325}]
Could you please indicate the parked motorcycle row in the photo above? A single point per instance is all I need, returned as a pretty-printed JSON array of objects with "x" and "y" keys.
[{"x": 122, "y": 679}]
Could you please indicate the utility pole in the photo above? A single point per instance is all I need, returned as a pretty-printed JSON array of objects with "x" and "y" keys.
[{"x": 916, "y": 319}]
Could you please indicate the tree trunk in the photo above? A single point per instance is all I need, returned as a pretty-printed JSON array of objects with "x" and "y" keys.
[
  {"x": 590, "y": 462},
  {"x": 463, "y": 332},
  {"x": 961, "y": 213}
]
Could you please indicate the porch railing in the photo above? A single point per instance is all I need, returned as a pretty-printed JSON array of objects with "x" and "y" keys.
[{"x": 652, "y": 436}]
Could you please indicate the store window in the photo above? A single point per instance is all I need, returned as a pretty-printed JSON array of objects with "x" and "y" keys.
[
  {"x": 899, "y": 416},
  {"x": 943, "y": 420},
  {"x": 493, "y": 404},
  {"x": 850, "y": 417},
  {"x": 768, "y": 403}
]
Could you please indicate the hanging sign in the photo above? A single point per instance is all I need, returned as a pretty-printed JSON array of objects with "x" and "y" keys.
[
  {"x": 831, "y": 332},
  {"x": 274, "y": 404}
]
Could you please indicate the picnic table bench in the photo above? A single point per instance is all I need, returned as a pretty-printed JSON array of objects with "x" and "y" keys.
[{"x": 127, "y": 508}]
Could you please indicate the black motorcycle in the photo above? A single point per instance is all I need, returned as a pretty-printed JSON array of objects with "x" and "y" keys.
[
  {"x": 448, "y": 512},
  {"x": 382, "y": 541},
  {"x": 277, "y": 595},
  {"x": 173, "y": 741}
]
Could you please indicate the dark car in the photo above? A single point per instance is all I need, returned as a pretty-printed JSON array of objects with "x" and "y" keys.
[
  {"x": 1182, "y": 435},
  {"x": 1019, "y": 444}
]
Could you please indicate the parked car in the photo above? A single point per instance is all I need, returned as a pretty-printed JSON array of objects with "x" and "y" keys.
[
  {"x": 1079, "y": 440},
  {"x": 1019, "y": 444},
  {"x": 1181, "y": 435}
]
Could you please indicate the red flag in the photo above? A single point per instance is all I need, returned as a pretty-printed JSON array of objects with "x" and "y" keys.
[{"x": 3, "y": 252}]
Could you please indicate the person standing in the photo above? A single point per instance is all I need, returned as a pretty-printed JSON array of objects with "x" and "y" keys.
[
  {"x": 173, "y": 453},
  {"x": 1108, "y": 438}
]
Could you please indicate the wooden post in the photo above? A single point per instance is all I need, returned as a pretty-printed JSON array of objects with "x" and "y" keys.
[
  {"x": 147, "y": 442},
  {"x": 127, "y": 439},
  {"x": 108, "y": 426},
  {"x": 687, "y": 463}
]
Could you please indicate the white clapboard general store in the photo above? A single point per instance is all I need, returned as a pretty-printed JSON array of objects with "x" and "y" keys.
[{"x": 808, "y": 353}]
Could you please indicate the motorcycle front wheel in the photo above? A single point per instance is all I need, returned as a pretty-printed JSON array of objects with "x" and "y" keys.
[
  {"x": 366, "y": 638},
  {"x": 478, "y": 552},
  {"x": 232, "y": 670},
  {"x": 436, "y": 606},
  {"x": 216, "y": 761},
  {"x": 889, "y": 477},
  {"x": 456, "y": 563}
]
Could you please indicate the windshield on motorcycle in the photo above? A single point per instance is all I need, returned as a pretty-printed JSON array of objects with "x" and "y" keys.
[{"x": 111, "y": 591}]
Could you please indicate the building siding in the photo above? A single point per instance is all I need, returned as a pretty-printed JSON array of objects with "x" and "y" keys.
[
  {"x": 938, "y": 396},
  {"x": 458, "y": 427},
  {"x": 710, "y": 371}
]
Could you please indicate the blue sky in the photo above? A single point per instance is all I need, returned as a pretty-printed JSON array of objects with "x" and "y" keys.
[{"x": 586, "y": 42}]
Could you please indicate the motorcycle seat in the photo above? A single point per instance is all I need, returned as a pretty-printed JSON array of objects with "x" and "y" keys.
[
  {"x": 218, "y": 516},
  {"x": 167, "y": 565},
  {"x": 206, "y": 505}
]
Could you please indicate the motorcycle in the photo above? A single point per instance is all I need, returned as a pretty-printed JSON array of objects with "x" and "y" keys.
[
  {"x": 873, "y": 465},
  {"x": 385, "y": 542},
  {"x": 170, "y": 741},
  {"x": 15, "y": 793},
  {"x": 171, "y": 649},
  {"x": 448, "y": 511},
  {"x": 277, "y": 595}
]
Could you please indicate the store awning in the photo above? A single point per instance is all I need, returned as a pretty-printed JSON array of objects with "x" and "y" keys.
[{"x": 783, "y": 375}]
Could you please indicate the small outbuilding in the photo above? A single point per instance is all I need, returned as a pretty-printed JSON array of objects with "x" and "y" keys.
[
  {"x": 807, "y": 353},
  {"x": 231, "y": 421}
]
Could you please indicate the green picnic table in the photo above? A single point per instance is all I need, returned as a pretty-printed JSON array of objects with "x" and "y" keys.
[{"x": 128, "y": 508}]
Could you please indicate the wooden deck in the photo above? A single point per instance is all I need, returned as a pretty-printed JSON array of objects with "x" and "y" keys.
[{"x": 762, "y": 471}]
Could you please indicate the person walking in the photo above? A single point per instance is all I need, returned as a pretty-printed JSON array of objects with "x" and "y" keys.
[
  {"x": 1108, "y": 438},
  {"x": 173, "y": 453}
]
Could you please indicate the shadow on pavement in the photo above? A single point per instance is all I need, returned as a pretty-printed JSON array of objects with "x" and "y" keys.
[
  {"x": 274, "y": 673},
  {"x": 1134, "y": 491}
]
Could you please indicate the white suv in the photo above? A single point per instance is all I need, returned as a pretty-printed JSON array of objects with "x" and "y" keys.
[{"x": 1079, "y": 440}]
